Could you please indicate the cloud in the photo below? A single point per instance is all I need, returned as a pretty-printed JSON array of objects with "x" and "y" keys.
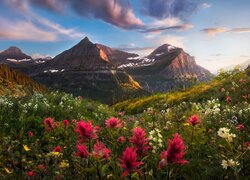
[
  {"x": 116, "y": 12},
  {"x": 134, "y": 48},
  {"x": 205, "y": 5},
  {"x": 162, "y": 9},
  {"x": 163, "y": 28},
  {"x": 37, "y": 24},
  {"x": 240, "y": 30},
  {"x": 24, "y": 30},
  {"x": 171, "y": 23},
  {"x": 158, "y": 40},
  {"x": 39, "y": 56},
  {"x": 213, "y": 31},
  {"x": 217, "y": 30}
]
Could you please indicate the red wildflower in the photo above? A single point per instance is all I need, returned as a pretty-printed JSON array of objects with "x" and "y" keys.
[
  {"x": 175, "y": 152},
  {"x": 228, "y": 99},
  {"x": 240, "y": 127},
  {"x": 41, "y": 167},
  {"x": 66, "y": 123},
  {"x": 49, "y": 124},
  {"x": 113, "y": 123},
  {"x": 120, "y": 113},
  {"x": 86, "y": 130},
  {"x": 128, "y": 161},
  {"x": 57, "y": 149},
  {"x": 31, "y": 173},
  {"x": 247, "y": 144},
  {"x": 30, "y": 133},
  {"x": 139, "y": 140},
  {"x": 121, "y": 139},
  {"x": 82, "y": 151},
  {"x": 101, "y": 151},
  {"x": 74, "y": 121},
  {"x": 194, "y": 120}
]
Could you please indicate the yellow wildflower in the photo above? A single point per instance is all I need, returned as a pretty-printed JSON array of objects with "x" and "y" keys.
[
  {"x": 8, "y": 171},
  {"x": 26, "y": 148},
  {"x": 54, "y": 154},
  {"x": 64, "y": 164},
  {"x": 186, "y": 124}
]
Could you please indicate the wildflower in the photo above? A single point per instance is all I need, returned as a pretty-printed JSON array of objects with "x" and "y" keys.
[
  {"x": 228, "y": 99},
  {"x": 113, "y": 123},
  {"x": 139, "y": 140},
  {"x": 74, "y": 121},
  {"x": 194, "y": 120},
  {"x": 64, "y": 164},
  {"x": 229, "y": 163},
  {"x": 66, "y": 123},
  {"x": 8, "y": 171},
  {"x": 82, "y": 151},
  {"x": 156, "y": 139},
  {"x": 222, "y": 90},
  {"x": 224, "y": 133},
  {"x": 31, "y": 173},
  {"x": 41, "y": 167},
  {"x": 175, "y": 152},
  {"x": 101, "y": 151},
  {"x": 129, "y": 161},
  {"x": 26, "y": 148},
  {"x": 30, "y": 134},
  {"x": 120, "y": 113},
  {"x": 240, "y": 127},
  {"x": 247, "y": 145},
  {"x": 57, "y": 149},
  {"x": 49, "y": 124},
  {"x": 86, "y": 130},
  {"x": 54, "y": 154},
  {"x": 121, "y": 139}
]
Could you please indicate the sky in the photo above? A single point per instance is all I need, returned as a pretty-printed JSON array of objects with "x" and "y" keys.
[{"x": 215, "y": 32}]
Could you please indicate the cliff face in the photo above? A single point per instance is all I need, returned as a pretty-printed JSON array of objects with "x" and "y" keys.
[
  {"x": 171, "y": 68},
  {"x": 86, "y": 70}
]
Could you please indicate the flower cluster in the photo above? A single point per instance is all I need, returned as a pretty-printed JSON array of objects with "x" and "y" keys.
[
  {"x": 155, "y": 139},
  {"x": 224, "y": 133},
  {"x": 229, "y": 163}
]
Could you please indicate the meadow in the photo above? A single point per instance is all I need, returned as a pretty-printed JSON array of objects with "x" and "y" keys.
[{"x": 197, "y": 133}]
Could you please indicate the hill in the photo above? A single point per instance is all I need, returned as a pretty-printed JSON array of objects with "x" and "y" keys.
[
  {"x": 17, "y": 84},
  {"x": 197, "y": 93}
]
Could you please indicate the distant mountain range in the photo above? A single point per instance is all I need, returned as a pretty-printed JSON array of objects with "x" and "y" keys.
[
  {"x": 15, "y": 55},
  {"x": 109, "y": 75}
]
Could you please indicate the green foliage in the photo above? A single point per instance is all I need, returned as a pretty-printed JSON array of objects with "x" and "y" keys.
[{"x": 216, "y": 148}]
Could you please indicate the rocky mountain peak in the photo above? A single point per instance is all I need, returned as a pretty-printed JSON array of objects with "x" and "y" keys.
[
  {"x": 163, "y": 49},
  {"x": 12, "y": 50},
  {"x": 13, "y": 53}
]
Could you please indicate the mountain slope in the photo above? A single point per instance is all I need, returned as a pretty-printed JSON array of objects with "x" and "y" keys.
[
  {"x": 16, "y": 83},
  {"x": 14, "y": 54},
  {"x": 171, "y": 68},
  {"x": 215, "y": 88},
  {"x": 86, "y": 70}
]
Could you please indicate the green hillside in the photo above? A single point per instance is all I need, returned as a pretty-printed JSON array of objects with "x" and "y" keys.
[
  {"x": 200, "y": 133},
  {"x": 199, "y": 93},
  {"x": 17, "y": 84}
]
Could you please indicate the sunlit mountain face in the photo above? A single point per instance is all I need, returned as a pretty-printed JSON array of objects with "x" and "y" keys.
[{"x": 215, "y": 32}]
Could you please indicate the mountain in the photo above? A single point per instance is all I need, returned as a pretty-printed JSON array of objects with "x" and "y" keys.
[
  {"x": 109, "y": 75},
  {"x": 168, "y": 68},
  {"x": 116, "y": 56},
  {"x": 86, "y": 70},
  {"x": 14, "y": 54},
  {"x": 15, "y": 83}
]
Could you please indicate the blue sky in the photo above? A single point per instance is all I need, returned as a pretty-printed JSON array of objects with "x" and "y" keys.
[{"x": 216, "y": 32}]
